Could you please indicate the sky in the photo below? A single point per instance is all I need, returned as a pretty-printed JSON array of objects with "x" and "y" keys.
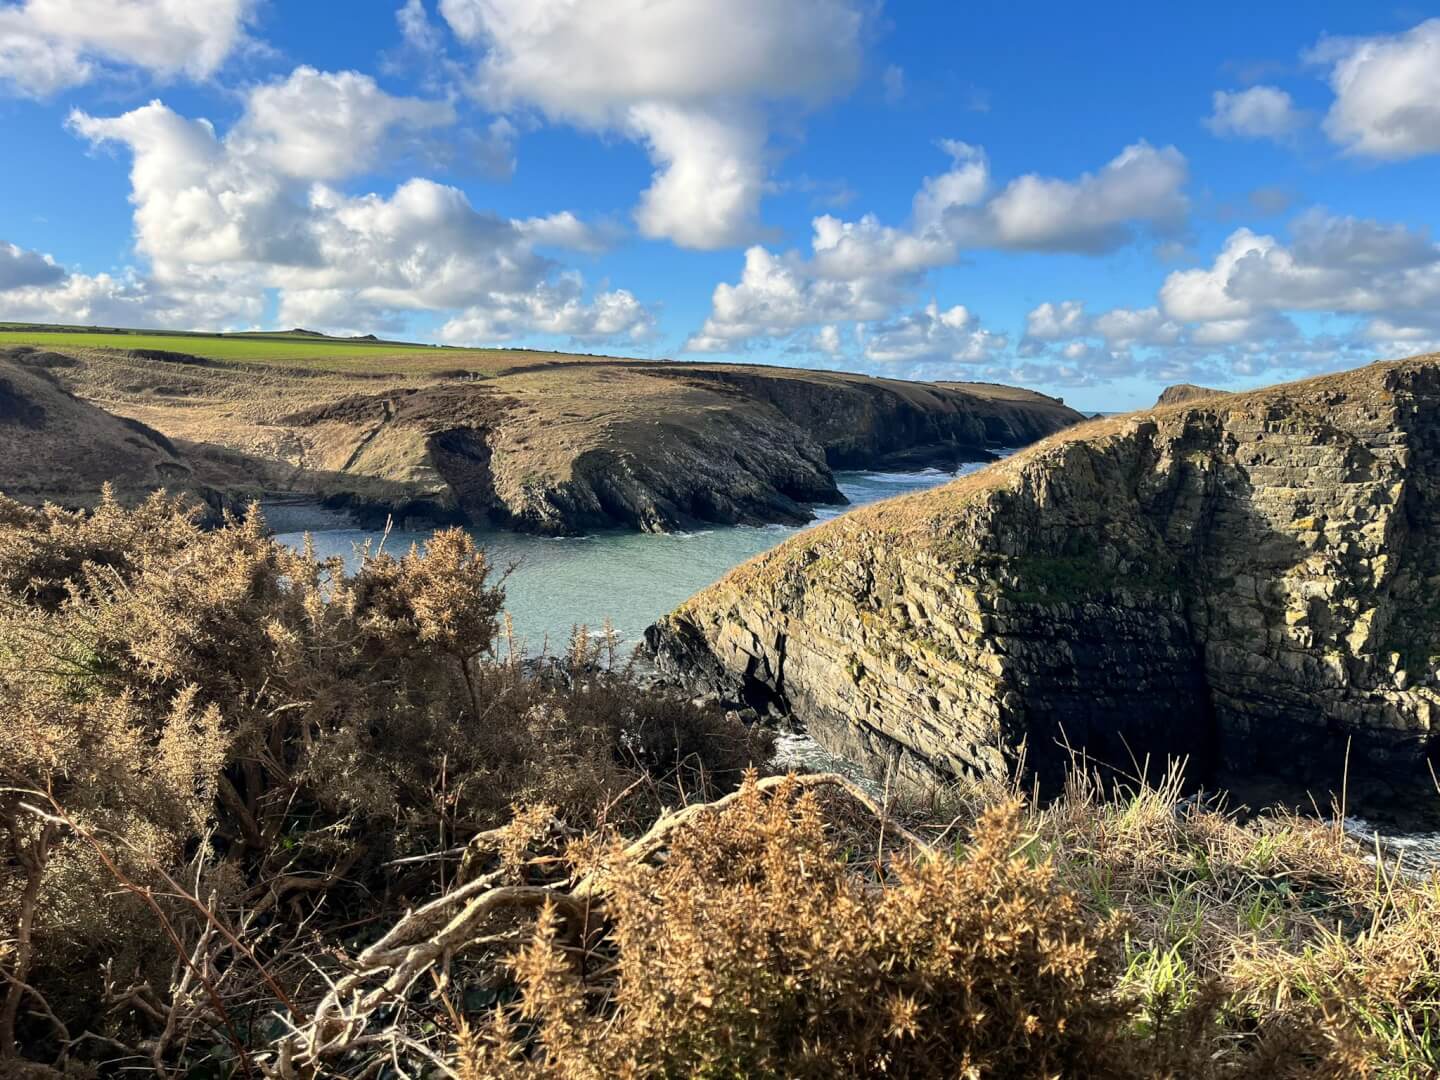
[{"x": 1094, "y": 200}]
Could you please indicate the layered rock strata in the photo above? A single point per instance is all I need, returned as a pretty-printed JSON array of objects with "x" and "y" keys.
[{"x": 1250, "y": 580}]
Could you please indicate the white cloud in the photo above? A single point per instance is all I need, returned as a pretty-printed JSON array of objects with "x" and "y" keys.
[
  {"x": 777, "y": 295},
  {"x": 964, "y": 184},
  {"x": 862, "y": 270},
  {"x": 1232, "y": 318},
  {"x": 708, "y": 178},
  {"x": 691, "y": 79},
  {"x": 1387, "y": 92},
  {"x": 565, "y": 230},
  {"x": 318, "y": 125},
  {"x": 19, "y": 268},
  {"x": 1096, "y": 213},
  {"x": 132, "y": 300},
  {"x": 827, "y": 339},
  {"x": 1338, "y": 264},
  {"x": 1128, "y": 326},
  {"x": 419, "y": 33},
  {"x": 1261, "y": 112},
  {"x": 1203, "y": 295},
  {"x": 1056, "y": 321},
  {"x": 48, "y": 45},
  {"x": 262, "y": 206},
  {"x": 556, "y": 308},
  {"x": 868, "y": 250},
  {"x": 932, "y": 335}
]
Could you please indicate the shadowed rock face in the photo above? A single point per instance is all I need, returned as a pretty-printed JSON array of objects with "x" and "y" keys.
[
  {"x": 55, "y": 447},
  {"x": 1252, "y": 580}
]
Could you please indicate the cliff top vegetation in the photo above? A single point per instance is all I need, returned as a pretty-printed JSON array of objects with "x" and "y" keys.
[{"x": 262, "y": 817}]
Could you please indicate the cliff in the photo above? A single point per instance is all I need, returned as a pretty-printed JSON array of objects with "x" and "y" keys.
[
  {"x": 566, "y": 446},
  {"x": 1252, "y": 580},
  {"x": 57, "y": 448},
  {"x": 1184, "y": 392}
]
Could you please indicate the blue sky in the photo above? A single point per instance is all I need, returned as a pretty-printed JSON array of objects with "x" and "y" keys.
[{"x": 1095, "y": 200}]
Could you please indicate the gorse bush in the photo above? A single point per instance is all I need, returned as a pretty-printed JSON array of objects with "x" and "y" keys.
[
  {"x": 181, "y": 698},
  {"x": 261, "y": 816},
  {"x": 756, "y": 949}
]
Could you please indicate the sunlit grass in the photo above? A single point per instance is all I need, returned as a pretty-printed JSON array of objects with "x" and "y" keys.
[{"x": 293, "y": 351}]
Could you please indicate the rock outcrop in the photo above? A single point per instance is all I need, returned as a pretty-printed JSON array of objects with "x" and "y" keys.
[
  {"x": 569, "y": 446},
  {"x": 1252, "y": 580},
  {"x": 54, "y": 447},
  {"x": 1180, "y": 393}
]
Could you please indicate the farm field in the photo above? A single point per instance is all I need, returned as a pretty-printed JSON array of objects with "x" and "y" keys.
[{"x": 307, "y": 351}]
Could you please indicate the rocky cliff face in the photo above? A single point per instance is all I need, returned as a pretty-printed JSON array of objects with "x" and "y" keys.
[
  {"x": 1252, "y": 580},
  {"x": 57, "y": 448},
  {"x": 562, "y": 445},
  {"x": 656, "y": 447}
]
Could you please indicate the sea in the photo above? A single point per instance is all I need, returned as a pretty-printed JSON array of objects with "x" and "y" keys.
[{"x": 555, "y": 584}]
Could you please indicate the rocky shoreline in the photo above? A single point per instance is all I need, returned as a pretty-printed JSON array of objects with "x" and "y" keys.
[
  {"x": 1246, "y": 580},
  {"x": 563, "y": 450}
]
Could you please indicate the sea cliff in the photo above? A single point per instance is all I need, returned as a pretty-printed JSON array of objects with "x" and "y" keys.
[{"x": 1250, "y": 580}]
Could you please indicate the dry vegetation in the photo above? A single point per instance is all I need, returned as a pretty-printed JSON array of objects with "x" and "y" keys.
[{"x": 261, "y": 818}]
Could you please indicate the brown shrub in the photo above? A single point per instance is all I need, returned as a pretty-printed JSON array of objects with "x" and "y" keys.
[
  {"x": 214, "y": 701},
  {"x": 755, "y": 949}
]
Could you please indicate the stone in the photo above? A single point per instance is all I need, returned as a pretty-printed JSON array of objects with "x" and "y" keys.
[{"x": 1248, "y": 580}]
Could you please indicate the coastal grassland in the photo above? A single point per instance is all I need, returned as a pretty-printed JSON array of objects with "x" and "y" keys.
[
  {"x": 302, "y": 353},
  {"x": 259, "y": 814}
]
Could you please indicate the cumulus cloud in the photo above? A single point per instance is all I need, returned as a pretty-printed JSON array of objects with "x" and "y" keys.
[
  {"x": 1387, "y": 92},
  {"x": 130, "y": 299},
  {"x": 931, "y": 335},
  {"x": 1261, "y": 112},
  {"x": 318, "y": 125},
  {"x": 557, "y": 308},
  {"x": 1340, "y": 264},
  {"x": 1233, "y": 317},
  {"x": 863, "y": 270},
  {"x": 262, "y": 205},
  {"x": 1095, "y": 213},
  {"x": 1129, "y": 326},
  {"x": 692, "y": 80},
  {"x": 19, "y": 268},
  {"x": 777, "y": 295},
  {"x": 48, "y": 45},
  {"x": 1056, "y": 321}
]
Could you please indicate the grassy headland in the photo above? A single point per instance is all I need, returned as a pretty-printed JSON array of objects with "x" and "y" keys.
[{"x": 548, "y": 442}]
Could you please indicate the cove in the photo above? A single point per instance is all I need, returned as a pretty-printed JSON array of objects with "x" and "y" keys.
[{"x": 630, "y": 578}]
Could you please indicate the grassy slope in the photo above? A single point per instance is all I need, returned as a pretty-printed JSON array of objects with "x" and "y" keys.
[
  {"x": 299, "y": 351},
  {"x": 242, "y": 393}
]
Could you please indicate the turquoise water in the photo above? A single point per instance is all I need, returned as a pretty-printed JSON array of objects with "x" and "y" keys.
[{"x": 633, "y": 578}]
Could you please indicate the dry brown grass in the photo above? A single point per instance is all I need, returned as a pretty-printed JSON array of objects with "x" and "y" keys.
[{"x": 258, "y": 816}]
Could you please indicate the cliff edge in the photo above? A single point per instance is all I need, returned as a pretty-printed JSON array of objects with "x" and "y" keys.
[
  {"x": 1252, "y": 580},
  {"x": 570, "y": 446}
]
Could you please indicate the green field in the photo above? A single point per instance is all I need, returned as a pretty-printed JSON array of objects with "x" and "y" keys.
[{"x": 313, "y": 351}]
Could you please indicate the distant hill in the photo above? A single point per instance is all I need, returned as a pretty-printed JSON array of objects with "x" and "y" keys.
[
  {"x": 542, "y": 442},
  {"x": 1183, "y": 392}
]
